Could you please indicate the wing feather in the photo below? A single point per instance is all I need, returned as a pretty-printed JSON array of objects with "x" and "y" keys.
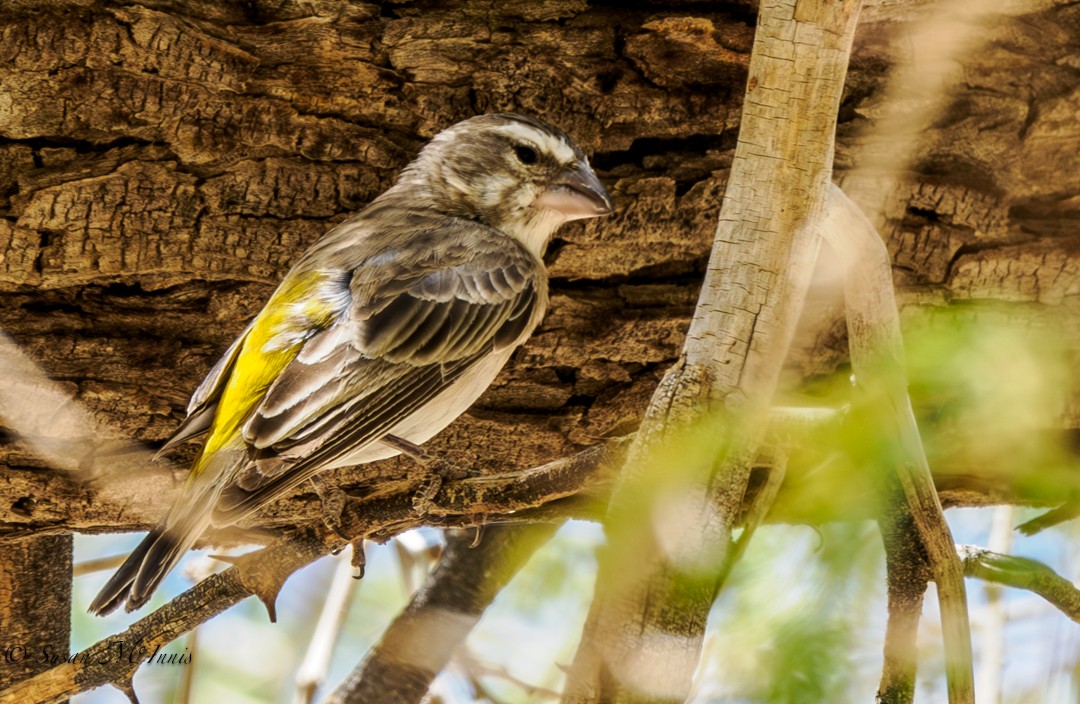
[
  {"x": 360, "y": 426},
  {"x": 415, "y": 324},
  {"x": 203, "y": 404}
]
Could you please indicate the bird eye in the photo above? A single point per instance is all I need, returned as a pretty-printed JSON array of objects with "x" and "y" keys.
[{"x": 526, "y": 155}]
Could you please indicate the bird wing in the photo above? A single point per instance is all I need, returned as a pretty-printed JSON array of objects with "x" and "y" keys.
[
  {"x": 420, "y": 316},
  {"x": 204, "y": 402}
]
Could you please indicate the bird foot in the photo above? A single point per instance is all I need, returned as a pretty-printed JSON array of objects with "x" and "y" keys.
[{"x": 439, "y": 469}]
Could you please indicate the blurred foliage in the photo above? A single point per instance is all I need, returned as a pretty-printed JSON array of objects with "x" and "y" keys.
[{"x": 802, "y": 616}]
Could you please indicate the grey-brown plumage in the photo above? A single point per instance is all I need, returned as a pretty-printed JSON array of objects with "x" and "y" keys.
[{"x": 392, "y": 324}]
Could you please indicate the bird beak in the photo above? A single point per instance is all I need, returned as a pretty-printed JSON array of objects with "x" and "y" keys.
[{"x": 576, "y": 193}]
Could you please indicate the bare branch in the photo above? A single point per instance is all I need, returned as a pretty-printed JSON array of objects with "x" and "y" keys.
[
  {"x": 996, "y": 615},
  {"x": 316, "y": 662},
  {"x": 877, "y": 356},
  {"x": 419, "y": 643},
  {"x": 1022, "y": 573},
  {"x": 511, "y": 498},
  {"x": 908, "y": 574}
]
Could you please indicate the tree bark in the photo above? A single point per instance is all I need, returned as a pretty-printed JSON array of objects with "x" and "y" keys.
[
  {"x": 35, "y": 589},
  {"x": 161, "y": 164}
]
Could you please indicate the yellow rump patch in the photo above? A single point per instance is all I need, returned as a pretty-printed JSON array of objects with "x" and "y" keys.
[{"x": 299, "y": 307}]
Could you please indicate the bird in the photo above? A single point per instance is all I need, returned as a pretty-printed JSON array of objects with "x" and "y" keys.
[{"x": 381, "y": 334}]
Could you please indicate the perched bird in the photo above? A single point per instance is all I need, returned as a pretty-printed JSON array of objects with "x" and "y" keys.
[{"x": 384, "y": 332}]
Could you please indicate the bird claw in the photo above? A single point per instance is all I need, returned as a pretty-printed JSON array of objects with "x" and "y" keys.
[
  {"x": 440, "y": 470},
  {"x": 424, "y": 499},
  {"x": 359, "y": 559}
]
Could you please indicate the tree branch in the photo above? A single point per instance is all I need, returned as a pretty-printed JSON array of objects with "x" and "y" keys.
[
  {"x": 877, "y": 356},
  {"x": 335, "y": 608},
  {"x": 524, "y": 497},
  {"x": 420, "y": 641},
  {"x": 1022, "y": 573},
  {"x": 908, "y": 574},
  {"x": 643, "y": 636}
]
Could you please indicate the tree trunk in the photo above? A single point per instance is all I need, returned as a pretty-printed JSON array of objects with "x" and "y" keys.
[
  {"x": 35, "y": 589},
  {"x": 161, "y": 164}
]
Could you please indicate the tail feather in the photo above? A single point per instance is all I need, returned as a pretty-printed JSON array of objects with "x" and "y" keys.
[
  {"x": 135, "y": 581},
  {"x": 118, "y": 589}
]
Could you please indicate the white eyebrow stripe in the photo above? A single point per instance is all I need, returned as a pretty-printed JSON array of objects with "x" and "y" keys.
[{"x": 559, "y": 149}]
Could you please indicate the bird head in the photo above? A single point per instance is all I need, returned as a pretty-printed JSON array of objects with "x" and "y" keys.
[{"x": 514, "y": 173}]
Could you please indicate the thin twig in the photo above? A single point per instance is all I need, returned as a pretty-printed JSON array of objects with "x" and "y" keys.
[
  {"x": 415, "y": 553},
  {"x": 187, "y": 676},
  {"x": 992, "y": 626},
  {"x": 474, "y": 669},
  {"x": 316, "y": 663},
  {"x": 98, "y": 564},
  {"x": 759, "y": 508},
  {"x": 1022, "y": 573},
  {"x": 419, "y": 643}
]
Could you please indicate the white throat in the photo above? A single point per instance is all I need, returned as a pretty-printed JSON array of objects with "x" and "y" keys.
[{"x": 535, "y": 228}]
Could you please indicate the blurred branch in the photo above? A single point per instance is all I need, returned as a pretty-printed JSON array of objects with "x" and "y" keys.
[
  {"x": 1022, "y": 573},
  {"x": 1067, "y": 511},
  {"x": 907, "y": 574},
  {"x": 313, "y": 668},
  {"x": 877, "y": 356},
  {"x": 97, "y": 564},
  {"x": 474, "y": 669},
  {"x": 47, "y": 420},
  {"x": 992, "y": 627},
  {"x": 420, "y": 641},
  {"x": 760, "y": 505},
  {"x": 184, "y": 691},
  {"x": 416, "y": 553}
]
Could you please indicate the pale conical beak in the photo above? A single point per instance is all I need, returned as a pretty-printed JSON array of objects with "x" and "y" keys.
[{"x": 576, "y": 193}]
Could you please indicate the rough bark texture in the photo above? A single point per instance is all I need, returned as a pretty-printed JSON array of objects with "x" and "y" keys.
[
  {"x": 161, "y": 164},
  {"x": 642, "y": 640},
  {"x": 35, "y": 589}
]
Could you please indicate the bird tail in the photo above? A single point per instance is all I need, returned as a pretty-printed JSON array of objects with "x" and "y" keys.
[{"x": 135, "y": 581}]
